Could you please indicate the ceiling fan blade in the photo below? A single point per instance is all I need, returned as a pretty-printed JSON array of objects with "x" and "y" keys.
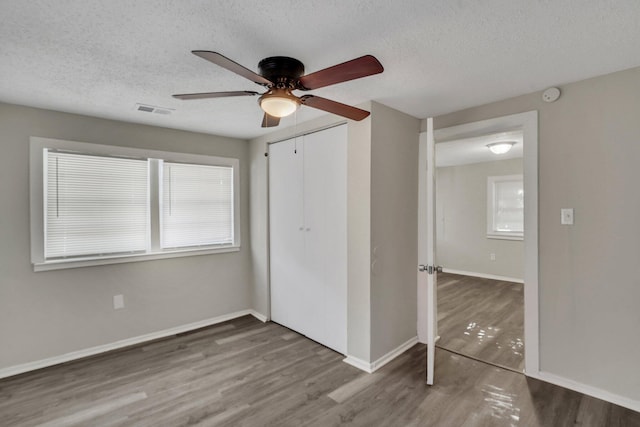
[
  {"x": 270, "y": 121},
  {"x": 230, "y": 65},
  {"x": 334, "y": 107},
  {"x": 206, "y": 95},
  {"x": 356, "y": 68}
]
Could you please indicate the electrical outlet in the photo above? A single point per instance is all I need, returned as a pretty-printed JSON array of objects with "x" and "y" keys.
[
  {"x": 118, "y": 302},
  {"x": 492, "y": 257},
  {"x": 566, "y": 216}
]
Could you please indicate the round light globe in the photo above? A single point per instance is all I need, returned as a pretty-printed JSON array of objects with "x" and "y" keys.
[
  {"x": 500, "y": 147},
  {"x": 277, "y": 105}
]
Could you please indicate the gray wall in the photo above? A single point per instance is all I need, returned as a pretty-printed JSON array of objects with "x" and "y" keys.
[
  {"x": 461, "y": 221},
  {"x": 589, "y": 147},
  {"x": 394, "y": 222},
  {"x": 50, "y": 313}
]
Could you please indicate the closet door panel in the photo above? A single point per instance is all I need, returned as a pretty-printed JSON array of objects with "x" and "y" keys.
[
  {"x": 286, "y": 237},
  {"x": 325, "y": 210},
  {"x": 316, "y": 233},
  {"x": 308, "y": 235},
  {"x": 336, "y": 256}
]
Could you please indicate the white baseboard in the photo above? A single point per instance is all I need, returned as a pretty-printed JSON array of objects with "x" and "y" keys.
[
  {"x": 92, "y": 351},
  {"x": 358, "y": 363},
  {"x": 377, "y": 364},
  {"x": 482, "y": 275},
  {"x": 261, "y": 317},
  {"x": 598, "y": 393}
]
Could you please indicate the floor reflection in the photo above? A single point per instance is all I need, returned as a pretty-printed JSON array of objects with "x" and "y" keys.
[{"x": 482, "y": 319}]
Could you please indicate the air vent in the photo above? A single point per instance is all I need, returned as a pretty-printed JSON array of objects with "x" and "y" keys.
[{"x": 153, "y": 109}]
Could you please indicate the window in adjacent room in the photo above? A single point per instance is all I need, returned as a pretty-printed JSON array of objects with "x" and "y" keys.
[
  {"x": 505, "y": 207},
  {"x": 98, "y": 204}
]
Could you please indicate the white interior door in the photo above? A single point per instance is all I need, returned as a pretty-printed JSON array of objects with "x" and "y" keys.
[
  {"x": 286, "y": 222},
  {"x": 308, "y": 235},
  {"x": 427, "y": 270},
  {"x": 316, "y": 244},
  {"x": 325, "y": 211}
]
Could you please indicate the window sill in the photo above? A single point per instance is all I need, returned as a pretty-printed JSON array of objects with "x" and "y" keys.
[
  {"x": 505, "y": 236},
  {"x": 87, "y": 262}
]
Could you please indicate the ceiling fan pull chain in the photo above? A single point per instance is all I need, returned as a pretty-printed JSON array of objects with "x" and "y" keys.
[{"x": 295, "y": 130}]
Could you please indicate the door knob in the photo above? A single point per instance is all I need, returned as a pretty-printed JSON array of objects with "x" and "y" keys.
[{"x": 430, "y": 268}]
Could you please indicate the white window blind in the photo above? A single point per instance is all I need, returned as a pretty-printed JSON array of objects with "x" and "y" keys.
[
  {"x": 197, "y": 205},
  {"x": 95, "y": 205},
  {"x": 506, "y": 206}
]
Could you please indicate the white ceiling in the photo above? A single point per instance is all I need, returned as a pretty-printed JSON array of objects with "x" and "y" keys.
[
  {"x": 474, "y": 150},
  {"x": 101, "y": 57}
]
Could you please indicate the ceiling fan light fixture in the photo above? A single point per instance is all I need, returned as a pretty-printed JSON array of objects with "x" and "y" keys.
[
  {"x": 501, "y": 147},
  {"x": 279, "y": 103}
]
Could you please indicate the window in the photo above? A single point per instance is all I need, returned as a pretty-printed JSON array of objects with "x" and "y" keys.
[
  {"x": 505, "y": 207},
  {"x": 96, "y": 204},
  {"x": 197, "y": 205}
]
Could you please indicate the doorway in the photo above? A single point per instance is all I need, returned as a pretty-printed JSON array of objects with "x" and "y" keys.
[
  {"x": 453, "y": 279},
  {"x": 479, "y": 213}
]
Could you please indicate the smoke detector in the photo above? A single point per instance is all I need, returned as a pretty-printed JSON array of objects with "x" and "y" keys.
[{"x": 551, "y": 95}]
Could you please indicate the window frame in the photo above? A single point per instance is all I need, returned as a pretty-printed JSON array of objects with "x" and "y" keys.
[
  {"x": 37, "y": 146},
  {"x": 491, "y": 208}
]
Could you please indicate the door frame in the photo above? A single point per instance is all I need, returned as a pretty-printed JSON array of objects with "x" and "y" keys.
[{"x": 528, "y": 123}]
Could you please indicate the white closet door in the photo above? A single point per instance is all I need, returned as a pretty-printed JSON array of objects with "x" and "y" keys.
[
  {"x": 287, "y": 234},
  {"x": 308, "y": 235},
  {"x": 325, "y": 212},
  {"x": 316, "y": 240}
]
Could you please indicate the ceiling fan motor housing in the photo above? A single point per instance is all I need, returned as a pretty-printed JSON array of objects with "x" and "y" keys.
[{"x": 281, "y": 70}]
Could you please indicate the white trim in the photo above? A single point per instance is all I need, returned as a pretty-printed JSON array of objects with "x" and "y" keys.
[
  {"x": 596, "y": 392},
  {"x": 505, "y": 236},
  {"x": 380, "y": 362},
  {"x": 91, "y": 351},
  {"x": 528, "y": 123},
  {"x": 261, "y": 317},
  {"x": 394, "y": 353},
  {"x": 482, "y": 275},
  {"x": 358, "y": 363},
  {"x": 118, "y": 259}
]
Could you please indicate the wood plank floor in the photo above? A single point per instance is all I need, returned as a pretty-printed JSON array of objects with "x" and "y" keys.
[
  {"x": 246, "y": 373},
  {"x": 482, "y": 318}
]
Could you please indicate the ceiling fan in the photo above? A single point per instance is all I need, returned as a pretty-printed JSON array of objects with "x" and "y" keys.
[{"x": 282, "y": 75}]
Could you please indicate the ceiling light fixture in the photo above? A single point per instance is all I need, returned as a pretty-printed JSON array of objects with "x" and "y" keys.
[
  {"x": 501, "y": 147},
  {"x": 279, "y": 102}
]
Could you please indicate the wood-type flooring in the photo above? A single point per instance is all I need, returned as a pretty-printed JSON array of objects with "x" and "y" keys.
[
  {"x": 246, "y": 373},
  {"x": 482, "y": 319}
]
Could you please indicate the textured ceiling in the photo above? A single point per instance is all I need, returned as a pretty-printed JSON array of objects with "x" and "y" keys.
[{"x": 101, "y": 57}]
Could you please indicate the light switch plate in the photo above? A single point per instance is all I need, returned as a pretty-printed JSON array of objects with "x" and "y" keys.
[
  {"x": 566, "y": 216},
  {"x": 118, "y": 302}
]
